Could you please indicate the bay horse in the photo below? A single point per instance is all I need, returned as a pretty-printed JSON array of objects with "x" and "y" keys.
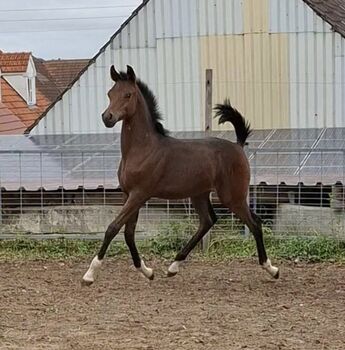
[{"x": 154, "y": 164}]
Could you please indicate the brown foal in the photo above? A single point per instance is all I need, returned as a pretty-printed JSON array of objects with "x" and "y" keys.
[{"x": 156, "y": 165}]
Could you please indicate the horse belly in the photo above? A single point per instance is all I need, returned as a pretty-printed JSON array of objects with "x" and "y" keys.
[{"x": 183, "y": 186}]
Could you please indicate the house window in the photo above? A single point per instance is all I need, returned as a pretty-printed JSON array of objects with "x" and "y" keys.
[{"x": 31, "y": 100}]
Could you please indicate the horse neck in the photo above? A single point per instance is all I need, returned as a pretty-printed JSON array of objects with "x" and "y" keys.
[{"x": 138, "y": 135}]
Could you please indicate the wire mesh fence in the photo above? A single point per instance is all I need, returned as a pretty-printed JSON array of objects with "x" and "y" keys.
[{"x": 64, "y": 192}]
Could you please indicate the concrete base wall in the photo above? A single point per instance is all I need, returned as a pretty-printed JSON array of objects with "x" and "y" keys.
[
  {"x": 295, "y": 219},
  {"x": 76, "y": 219}
]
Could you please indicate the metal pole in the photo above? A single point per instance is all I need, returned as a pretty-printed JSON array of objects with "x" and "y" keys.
[{"x": 205, "y": 242}]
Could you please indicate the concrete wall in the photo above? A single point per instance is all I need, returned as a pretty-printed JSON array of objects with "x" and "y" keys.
[
  {"x": 76, "y": 219},
  {"x": 303, "y": 220}
]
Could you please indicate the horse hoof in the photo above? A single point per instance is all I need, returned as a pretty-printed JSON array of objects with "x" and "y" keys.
[
  {"x": 152, "y": 277},
  {"x": 86, "y": 283},
  {"x": 276, "y": 276},
  {"x": 171, "y": 274}
]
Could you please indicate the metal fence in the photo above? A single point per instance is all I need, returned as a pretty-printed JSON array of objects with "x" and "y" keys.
[{"x": 294, "y": 191}]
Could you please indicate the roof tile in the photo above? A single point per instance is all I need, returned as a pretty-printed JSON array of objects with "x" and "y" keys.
[
  {"x": 9, "y": 123},
  {"x": 18, "y": 106},
  {"x": 14, "y": 62}
]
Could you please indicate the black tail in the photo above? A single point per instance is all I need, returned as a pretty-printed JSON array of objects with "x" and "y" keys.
[{"x": 229, "y": 114}]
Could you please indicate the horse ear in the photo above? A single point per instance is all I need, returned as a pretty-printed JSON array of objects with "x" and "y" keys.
[
  {"x": 114, "y": 75},
  {"x": 131, "y": 74}
]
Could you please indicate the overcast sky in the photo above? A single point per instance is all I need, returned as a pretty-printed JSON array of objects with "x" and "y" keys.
[{"x": 61, "y": 28}]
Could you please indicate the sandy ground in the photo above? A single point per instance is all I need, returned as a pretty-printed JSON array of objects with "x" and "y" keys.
[{"x": 221, "y": 306}]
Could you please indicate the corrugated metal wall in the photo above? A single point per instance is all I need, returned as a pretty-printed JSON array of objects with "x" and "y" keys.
[{"x": 280, "y": 64}]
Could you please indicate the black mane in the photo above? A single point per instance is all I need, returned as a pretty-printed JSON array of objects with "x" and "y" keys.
[{"x": 152, "y": 104}]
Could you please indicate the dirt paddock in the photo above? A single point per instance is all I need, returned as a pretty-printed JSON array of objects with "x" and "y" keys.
[{"x": 208, "y": 306}]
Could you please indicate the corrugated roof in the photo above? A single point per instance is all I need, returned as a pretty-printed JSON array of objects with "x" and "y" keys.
[
  {"x": 14, "y": 62},
  {"x": 331, "y": 11},
  {"x": 9, "y": 123}
]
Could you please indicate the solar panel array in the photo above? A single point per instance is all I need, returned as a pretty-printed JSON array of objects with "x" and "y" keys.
[{"x": 92, "y": 160}]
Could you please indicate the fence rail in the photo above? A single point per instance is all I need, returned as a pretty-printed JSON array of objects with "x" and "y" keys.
[{"x": 295, "y": 191}]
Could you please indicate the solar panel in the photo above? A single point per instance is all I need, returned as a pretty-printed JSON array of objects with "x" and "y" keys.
[
  {"x": 259, "y": 135},
  {"x": 92, "y": 160},
  {"x": 296, "y": 134},
  {"x": 334, "y": 134},
  {"x": 286, "y": 144}
]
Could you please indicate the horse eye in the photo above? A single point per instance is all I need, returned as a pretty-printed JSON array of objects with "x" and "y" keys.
[{"x": 128, "y": 95}]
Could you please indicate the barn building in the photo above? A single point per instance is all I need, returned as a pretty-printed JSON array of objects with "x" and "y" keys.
[{"x": 280, "y": 61}]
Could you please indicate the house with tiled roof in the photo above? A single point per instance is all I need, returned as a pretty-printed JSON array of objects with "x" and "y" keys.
[{"x": 28, "y": 86}]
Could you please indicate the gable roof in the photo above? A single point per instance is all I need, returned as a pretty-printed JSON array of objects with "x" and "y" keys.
[
  {"x": 14, "y": 62},
  {"x": 64, "y": 71},
  {"x": 52, "y": 78},
  {"x": 331, "y": 11},
  {"x": 10, "y": 123}
]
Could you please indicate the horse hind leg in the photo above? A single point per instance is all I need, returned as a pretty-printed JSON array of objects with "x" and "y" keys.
[
  {"x": 254, "y": 224},
  {"x": 207, "y": 218}
]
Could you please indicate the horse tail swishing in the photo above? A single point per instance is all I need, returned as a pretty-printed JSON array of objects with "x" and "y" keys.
[{"x": 227, "y": 113}]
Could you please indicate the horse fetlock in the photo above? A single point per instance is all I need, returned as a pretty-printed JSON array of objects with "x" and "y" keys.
[
  {"x": 146, "y": 271},
  {"x": 174, "y": 268},
  {"x": 91, "y": 273},
  {"x": 272, "y": 270}
]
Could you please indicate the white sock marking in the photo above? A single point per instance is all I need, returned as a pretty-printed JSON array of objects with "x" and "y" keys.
[
  {"x": 272, "y": 270},
  {"x": 174, "y": 267},
  {"x": 92, "y": 271},
  {"x": 147, "y": 272}
]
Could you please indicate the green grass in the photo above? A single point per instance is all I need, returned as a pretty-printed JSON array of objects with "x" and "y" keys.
[
  {"x": 313, "y": 249},
  {"x": 173, "y": 238},
  {"x": 24, "y": 248}
]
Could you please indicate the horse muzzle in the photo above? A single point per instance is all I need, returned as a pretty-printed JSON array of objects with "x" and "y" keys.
[{"x": 110, "y": 119}]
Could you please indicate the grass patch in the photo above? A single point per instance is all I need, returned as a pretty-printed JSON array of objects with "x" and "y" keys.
[
  {"x": 172, "y": 238},
  {"x": 24, "y": 248},
  {"x": 310, "y": 249}
]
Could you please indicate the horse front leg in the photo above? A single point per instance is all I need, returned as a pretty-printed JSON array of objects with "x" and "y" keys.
[
  {"x": 132, "y": 206},
  {"x": 130, "y": 241}
]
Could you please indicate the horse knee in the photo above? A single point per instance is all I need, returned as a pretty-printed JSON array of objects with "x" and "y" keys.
[{"x": 112, "y": 229}]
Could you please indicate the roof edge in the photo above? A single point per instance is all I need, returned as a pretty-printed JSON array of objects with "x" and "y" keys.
[{"x": 323, "y": 16}]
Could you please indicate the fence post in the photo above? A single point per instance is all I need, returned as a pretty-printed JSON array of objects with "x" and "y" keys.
[
  {"x": 205, "y": 242},
  {"x": 208, "y": 100}
]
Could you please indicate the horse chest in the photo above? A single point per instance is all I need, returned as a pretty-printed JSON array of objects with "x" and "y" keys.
[{"x": 130, "y": 176}]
